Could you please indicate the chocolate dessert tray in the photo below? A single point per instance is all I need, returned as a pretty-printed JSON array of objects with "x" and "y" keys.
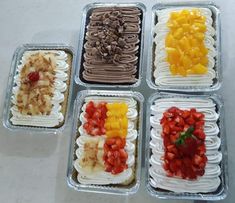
[{"x": 112, "y": 55}]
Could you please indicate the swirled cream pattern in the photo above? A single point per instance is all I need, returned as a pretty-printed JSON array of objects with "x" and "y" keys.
[
  {"x": 101, "y": 177},
  {"x": 112, "y": 45},
  {"x": 55, "y": 117},
  {"x": 161, "y": 73},
  {"x": 210, "y": 181}
]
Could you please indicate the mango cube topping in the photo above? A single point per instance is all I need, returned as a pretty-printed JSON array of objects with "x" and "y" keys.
[
  {"x": 116, "y": 123},
  {"x": 185, "y": 47}
]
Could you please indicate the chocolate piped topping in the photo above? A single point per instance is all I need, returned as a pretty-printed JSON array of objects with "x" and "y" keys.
[
  {"x": 112, "y": 41},
  {"x": 110, "y": 36}
]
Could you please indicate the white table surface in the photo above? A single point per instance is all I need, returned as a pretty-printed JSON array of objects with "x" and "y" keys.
[{"x": 33, "y": 166}]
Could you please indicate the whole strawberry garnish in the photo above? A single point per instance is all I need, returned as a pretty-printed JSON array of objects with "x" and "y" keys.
[
  {"x": 188, "y": 148},
  {"x": 33, "y": 76},
  {"x": 187, "y": 143}
]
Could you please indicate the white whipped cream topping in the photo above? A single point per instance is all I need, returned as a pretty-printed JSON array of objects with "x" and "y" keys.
[
  {"x": 103, "y": 177},
  {"x": 60, "y": 87},
  {"x": 162, "y": 74},
  {"x": 210, "y": 181}
]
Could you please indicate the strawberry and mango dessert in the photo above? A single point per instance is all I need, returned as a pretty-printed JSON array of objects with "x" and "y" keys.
[
  {"x": 185, "y": 47},
  {"x": 41, "y": 88},
  {"x": 185, "y": 145},
  {"x": 108, "y": 128}
]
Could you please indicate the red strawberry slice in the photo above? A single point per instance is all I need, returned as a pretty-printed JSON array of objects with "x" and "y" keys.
[
  {"x": 190, "y": 121},
  {"x": 179, "y": 120},
  {"x": 172, "y": 148},
  {"x": 186, "y": 114},
  {"x": 166, "y": 129},
  {"x": 184, "y": 143},
  {"x": 123, "y": 154},
  {"x": 197, "y": 159},
  {"x": 111, "y": 161},
  {"x": 119, "y": 142},
  {"x": 118, "y": 169},
  {"x": 170, "y": 156},
  {"x": 168, "y": 114},
  {"x": 199, "y": 133},
  {"x": 33, "y": 76},
  {"x": 108, "y": 168},
  {"x": 95, "y": 131},
  {"x": 198, "y": 115},
  {"x": 110, "y": 141}
]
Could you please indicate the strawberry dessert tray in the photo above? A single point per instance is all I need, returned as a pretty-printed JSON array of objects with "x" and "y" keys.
[{"x": 186, "y": 154}]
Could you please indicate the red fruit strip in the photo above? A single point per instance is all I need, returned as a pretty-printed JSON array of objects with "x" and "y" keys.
[
  {"x": 184, "y": 156},
  {"x": 115, "y": 156},
  {"x": 95, "y": 116}
]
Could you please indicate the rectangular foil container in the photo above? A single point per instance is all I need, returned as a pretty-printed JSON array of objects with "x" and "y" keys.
[
  {"x": 72, "y": 173},
  {"x": 15, "y": 61},
  {"x": 87, "y": 10},
  {"x": 217, "y": 81},
  {"x": 222, "y": 190}
]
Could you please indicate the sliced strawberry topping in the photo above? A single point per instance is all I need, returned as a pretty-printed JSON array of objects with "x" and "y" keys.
[
  {"x": 184, "y": 142},
  {"x": 115, "y": 156},
  {"x": 95, "y": 116}
]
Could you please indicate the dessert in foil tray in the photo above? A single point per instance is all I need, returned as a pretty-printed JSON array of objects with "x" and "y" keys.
[
  {"x": 41, "y": 88},
  {"x": 112, "y": 44},
  {"x": 106, "y": 146},
  {"x": 184, "y": 54},
  {"x": 185, "y": 145}
]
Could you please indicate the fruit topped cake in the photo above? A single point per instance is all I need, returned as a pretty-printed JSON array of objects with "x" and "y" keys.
[
  {"x": 185, "y": 48},
  {"x": 185, "y": 145},
  {"x": 41, "y": 88},
  {"x": 112, "y": 46},
  {"x": 106, "y": 152}
]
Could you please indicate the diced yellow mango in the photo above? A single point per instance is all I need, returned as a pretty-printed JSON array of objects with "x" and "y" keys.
[
  {"x": 187, "y": 63},
  {"x": 107, "y": 126},
  {"x": 179, "y": 33},
  {"x": 181, "y": 20},
  {"x": 173, "y": 69},
  {"x": 204, "y": 61},
  {"x": 199, "y": 69},
  {"x": 185, "y": 48},
  {"x": 199, "y": 36},
  {"x": 169, "y": 41},
  {"x": 201, "y": 27},
  {"x": 115, "y": 125},
  {"x": 182, "y": 71},
  {"x": 184, "y": 43}
]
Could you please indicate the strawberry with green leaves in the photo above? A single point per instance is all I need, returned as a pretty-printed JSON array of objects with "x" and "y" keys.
[{"x": 184, "y": 143}]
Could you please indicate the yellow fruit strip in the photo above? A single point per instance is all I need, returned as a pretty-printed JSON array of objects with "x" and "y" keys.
[
  {"x": 185, "y": 47},
  {"x": 116, "y": 123}
]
